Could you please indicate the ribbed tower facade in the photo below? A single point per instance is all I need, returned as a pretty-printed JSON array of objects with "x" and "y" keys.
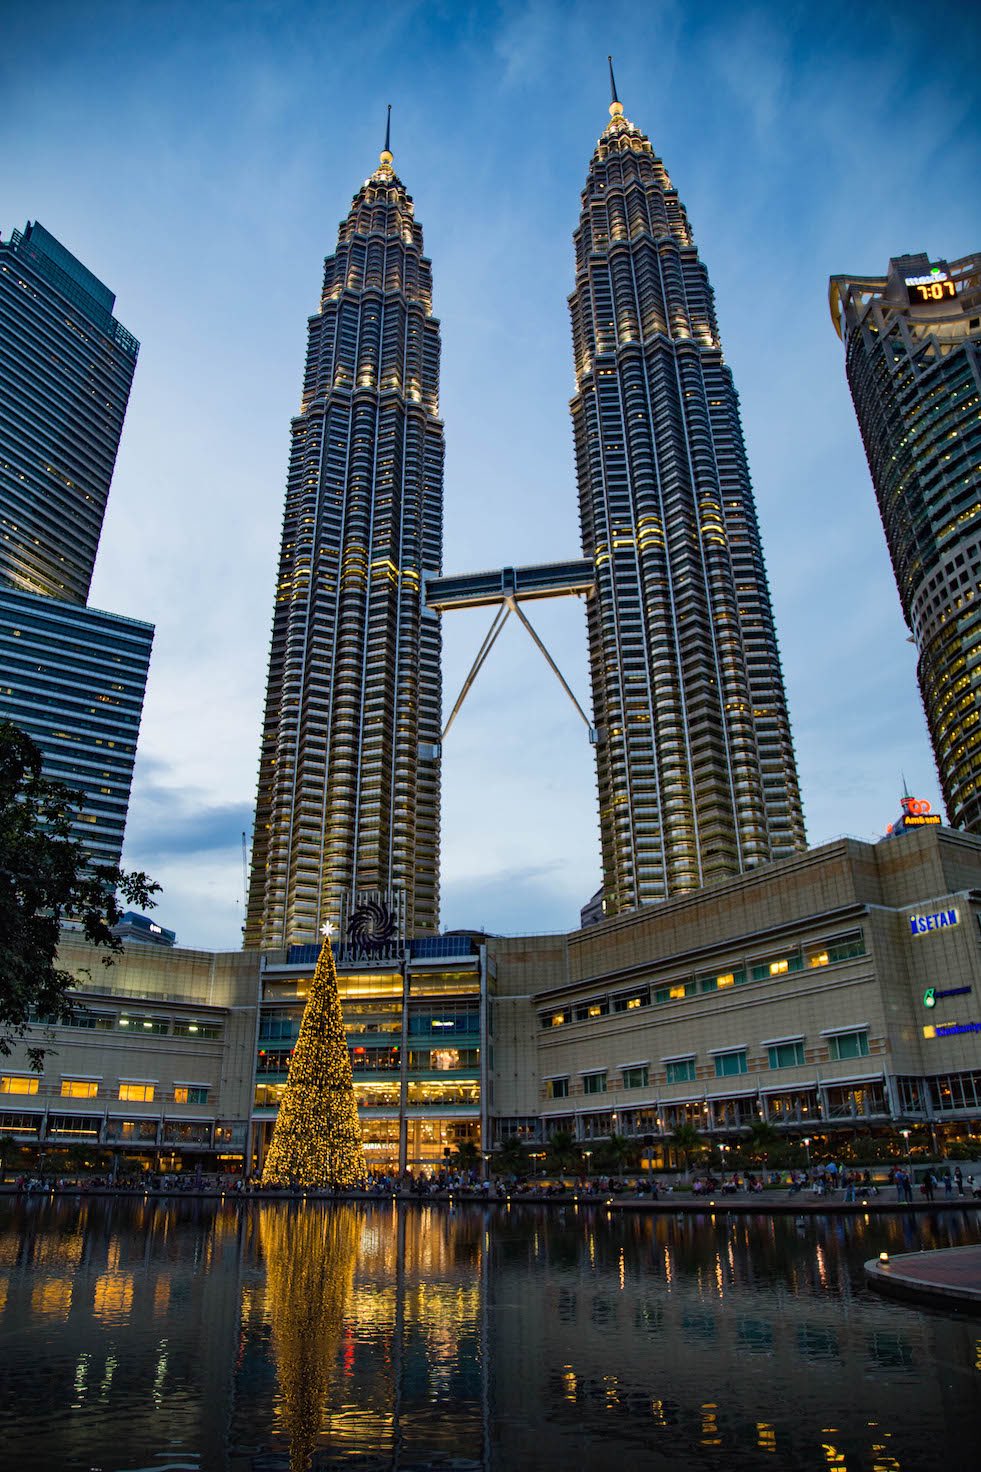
[
  {"x": 696, "y": 769},
  {"x": 913, "y": 358},
  {"x": 348, "y": 797}
]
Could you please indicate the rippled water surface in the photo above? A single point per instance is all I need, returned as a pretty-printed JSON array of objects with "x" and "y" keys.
[{"x": 204, "y": 1335}]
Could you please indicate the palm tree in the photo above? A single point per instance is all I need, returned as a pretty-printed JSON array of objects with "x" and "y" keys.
[
  {"x": 563, "y": 1150},
  {"x": 510, "y": 1158},
  {"x": 763, "y": 1140},
  {"x": 687, "y": 1141},
  {"x": 616, "y": 1153},
  {"x": 466, "y": 1156}
]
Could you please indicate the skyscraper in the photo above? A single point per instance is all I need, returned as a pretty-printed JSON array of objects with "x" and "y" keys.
[
  {"x": 71, "y": 676},
  {"x": 66, "y": 366},
  {"x": 913, "y": 359},
  {"x": 696, "y": 770},
  {"x": 348, "y": 797}
]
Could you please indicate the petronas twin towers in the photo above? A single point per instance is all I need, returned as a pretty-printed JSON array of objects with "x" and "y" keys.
[{"x": 695, "y": 764}]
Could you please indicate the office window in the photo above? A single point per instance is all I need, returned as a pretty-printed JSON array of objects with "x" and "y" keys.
[
  {"x": 777, "y": 966},
  {"x": 848, "y": 1045},
  {"x": 786, "y": 1055},
  {"x": 727, "y": 1064},
  {"x": 154, "y": 1026},
  {"x": 594, "y": 1083},
  {"x": 587, "y": 1010},
  {"x": 635, "y": 1078},
  {"x": 203, "y": 1031},
  {"x": 557, "y": 1088},
  {"x": 681, "y": 1071},
  {"x": 554, "y": 1019},
  {"x": 136, "y": 1093},
  {"x": 13, "y": 1083},
  {"x": 185, "y": 1094},
  {"x": 79, "y": 1088}
]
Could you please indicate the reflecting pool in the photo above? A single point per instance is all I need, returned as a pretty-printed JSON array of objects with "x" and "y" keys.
[{"x": 220, "y": 1337}]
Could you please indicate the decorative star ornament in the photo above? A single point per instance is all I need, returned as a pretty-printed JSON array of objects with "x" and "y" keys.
[{"x": 327, "y": 928}]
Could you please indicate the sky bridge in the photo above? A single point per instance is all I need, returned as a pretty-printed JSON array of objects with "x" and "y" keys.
[{"x": 506, "y": 589}]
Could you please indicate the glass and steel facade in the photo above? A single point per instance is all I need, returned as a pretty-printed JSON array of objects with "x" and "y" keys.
[
  {"x": 66, "y": 366},
  {"x": 415, "y": 1030},
  {"x": 696, "y": 770},
  {"x": 73, "y": 678},
  {"x": 913, "y": 359},
  {"x": 348, "y": 796}
]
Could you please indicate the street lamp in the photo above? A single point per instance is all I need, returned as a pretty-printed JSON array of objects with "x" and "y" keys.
[
  {"x": 807, "y": 1150},
  {"x": 587, "y": 1154},
  {"x": 905, "y": 1135}
]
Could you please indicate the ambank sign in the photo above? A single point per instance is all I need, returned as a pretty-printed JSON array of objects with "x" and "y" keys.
[{"x": 939, "y": 920}]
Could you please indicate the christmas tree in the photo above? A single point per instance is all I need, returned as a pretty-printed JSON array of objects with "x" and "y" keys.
[
  {"x": 310, "y": 1255},
  {"x": 317, "y": 1136}
]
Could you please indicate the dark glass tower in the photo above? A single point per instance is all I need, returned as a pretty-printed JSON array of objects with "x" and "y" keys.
[
  {"x": 71, "y": 676},
  {"x": 66, "y": 366},
  {"x": 913, "y": 358},
  {"x": 348, "y": 796},
  {"x": 696, "y": 770}
]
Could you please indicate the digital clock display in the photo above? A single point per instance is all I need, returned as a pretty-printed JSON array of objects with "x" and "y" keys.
[{"x": 921, "y": 292}]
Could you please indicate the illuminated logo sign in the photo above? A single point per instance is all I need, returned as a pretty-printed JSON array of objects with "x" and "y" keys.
[
  {"x": 950, "y": 1029},
  {"x": 935, "y": 275},
  {"x": 939, "y": 920},
  {"x": 931, "y": 996},
  {"x": 916, "y": 814}
]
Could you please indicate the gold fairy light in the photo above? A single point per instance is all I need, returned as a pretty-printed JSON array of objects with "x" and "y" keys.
[{"x": 317, "y": 1138}]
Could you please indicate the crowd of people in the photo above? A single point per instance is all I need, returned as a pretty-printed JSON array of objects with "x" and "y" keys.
[{"x": 830, "y": 1179}]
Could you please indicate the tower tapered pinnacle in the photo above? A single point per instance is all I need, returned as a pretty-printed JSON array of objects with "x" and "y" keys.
[
  {"x": 385, "y": 157},
  {"x": 616, "y": 107}
]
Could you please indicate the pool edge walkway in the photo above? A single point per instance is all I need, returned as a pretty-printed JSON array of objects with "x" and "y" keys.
[{"x": 948, "y": 1277}]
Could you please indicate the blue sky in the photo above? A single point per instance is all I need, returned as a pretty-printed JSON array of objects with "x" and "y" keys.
[{"x": 198, "y": 158}]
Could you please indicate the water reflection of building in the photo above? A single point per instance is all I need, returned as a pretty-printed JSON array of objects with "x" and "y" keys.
[
  {"x": 833, "y": 994},
  {"x": 389, "y": 1336}
]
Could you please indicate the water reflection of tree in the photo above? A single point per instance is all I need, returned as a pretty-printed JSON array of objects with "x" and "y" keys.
[{"x": 310, "y": 1255}]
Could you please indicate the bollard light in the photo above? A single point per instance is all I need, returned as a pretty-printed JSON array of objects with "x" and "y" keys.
[{"x": 883, "y": 1257}]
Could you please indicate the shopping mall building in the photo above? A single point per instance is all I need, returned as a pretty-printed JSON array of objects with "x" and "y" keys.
[{"x": 833, "y": 992}]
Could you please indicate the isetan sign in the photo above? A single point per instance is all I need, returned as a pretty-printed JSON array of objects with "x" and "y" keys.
[{"x": 939, "y": 920}]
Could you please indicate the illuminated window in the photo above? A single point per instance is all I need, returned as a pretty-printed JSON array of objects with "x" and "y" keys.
[
  {"x": 79, "y": 1088},
  {"x": 136, "y": 1093},
  {"x": 185, "y": 1094},
  {"x": 15, "y": 1084},
  {"x": 777, "y": 968},
  {"x": 557, "y": 1088},
  {"x": 818, "y": 958}
]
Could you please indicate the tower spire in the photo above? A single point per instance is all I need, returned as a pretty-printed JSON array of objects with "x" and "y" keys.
[
  {"x": 385, "y": 157},
  {"x": 616, "y": 107}
]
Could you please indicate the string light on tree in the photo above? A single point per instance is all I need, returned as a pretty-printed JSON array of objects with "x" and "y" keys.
[{"x": 317, "y": 1138}]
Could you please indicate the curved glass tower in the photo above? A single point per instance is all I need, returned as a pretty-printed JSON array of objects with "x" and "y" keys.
[
  {"x": 696, "y": 770},
  {"x": 913, "y": 358},
  {"x": 348, "y": 797}
]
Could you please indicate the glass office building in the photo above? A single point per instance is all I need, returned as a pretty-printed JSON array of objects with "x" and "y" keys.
[
  {"x": 73, "y": 678},
  {"x": 414, "y": 1026},
  {"x": 66, "y": 366},
  {"x": 696, "y": 769},
  {"x": 348, "y": 795},
  {"x": 913, "y": 359}
]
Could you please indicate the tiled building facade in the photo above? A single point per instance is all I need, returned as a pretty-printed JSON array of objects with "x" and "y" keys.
[{"x": 833, "y": 993}]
